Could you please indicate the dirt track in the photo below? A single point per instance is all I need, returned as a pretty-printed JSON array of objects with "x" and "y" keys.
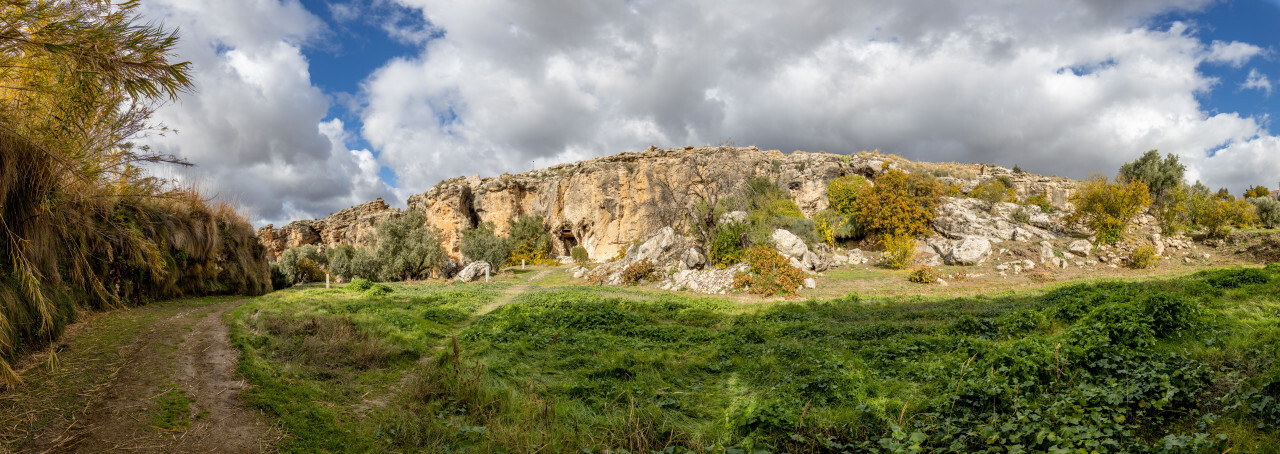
[{"x": 185, "y": 351}]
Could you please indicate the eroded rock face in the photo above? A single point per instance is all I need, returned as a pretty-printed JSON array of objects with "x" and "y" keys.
[{"x": 356, "y": 225}]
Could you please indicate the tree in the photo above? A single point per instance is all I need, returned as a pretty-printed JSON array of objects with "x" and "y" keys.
[
  {"x": 529, "y": 241},
  {"x": 408, "y": 248},
  {"x": 1107, "y": 208},
  {"x": 1257, "y": 191},
  {"x": 482, "y": 244},
  {"x": 842, "y": 193},
  {"x": 1159, "y": 175},
  {"x": 1268, "y": 211},
  {"x": 899, "y": 204}
]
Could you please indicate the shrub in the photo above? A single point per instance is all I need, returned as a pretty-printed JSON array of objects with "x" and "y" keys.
[
  {"x": 529, "y": 241},
  {"x": 481, "y": 244},
  {"x": 579, "y": 255},
  {"x": 899, "y": 250},
  {"x": 993, "y": 191},
  {"x": 379, "y": 290},
  {"x": 308, "y": 271},
  {"x": 1041, "y": 201},
  {"x": 408, "y": 248},
  {"x": 278, "y": 279},
  {"x": 1144, "y": 256},
  {"x": 727, "y": 246},
  {"x": 1217, "y": 216},
  {"x": 1021, "y": 215},
  {"x": 1107, "y": 208},
  {"x": 833, "y": 226},
  {"x": 1235, "y": 278},
  {"x": 359, "y": 284},
  {"x": 899, "y": 203},
  {"x": 1268, "y": 211},
  {"x": 1112, "y": 329},
  {"x": 1172, "y": 210},
  {"x": 843, "y": 192},
  {"x": 291, "y": 262},
  {"x": 1257, "y": 191},
  {"x": 1159, "y": 175},
  {"x": 923, "y": 275},
  {"x": 1170, "y": 313},
  {"x": 770, "y": 273},
  {"x": 639, "y": 271}
]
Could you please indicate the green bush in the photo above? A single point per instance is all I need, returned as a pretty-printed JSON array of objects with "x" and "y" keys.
[
  {"x": 366, "y": 264},
  {"x": 842, "y": 193},
  {"x": 481, "y": 244},
  {"x": 579, "y": 255},
  {"x": 291, "y": 264},
  {"x": 408, "y": 248},
  {"x": 1172, "y": 210},
  {"x": 278, "y": 279},
  {"x": 899, "y": 203},
  {"x": 308, "y": 271},
  {"x": 1107, "y": 208},
  {"x": 359, "y": 284},
  {"x": 1268, "y": 211},
  {"x": 833, "y": 226},
  {"x": 340, "y": 260},
  {"x": 726, "y": 244},
  {"x": 1234, "y": 278},
  {"x": 529, "y": 241},
  {"x": 379, "y": 290},
  {"x": 1040, "y": 200},
  {"x": 993, "y": 191},
  {"x": 1218, "y": 215}
]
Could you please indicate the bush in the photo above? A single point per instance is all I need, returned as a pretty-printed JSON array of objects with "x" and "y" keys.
[
  {"x": 278, "y": 279},
  {"x": 481, "y": 244},
  {"x": 833, "y": 226},
  {"x": 1217, "y": 215},
  {"x": 899, "y": 203},
  {"x": 579, "y": 255},
  {"x": 1107, "y": 208},
  {"x": 1268, "y": 211},
  {"x": 923, "y": 275},
  {"x": 770, "y": 273},
  {"x": 359, "y": 284},
  {"x": 291, "y": 264},
  {"x": 843, "y": 192},
  {"x": 1159, "y": 175},
  {"x": 1144, "y": 256},
  {"x": 379, "y": 290},
  {"x": 1041, "y": 201},
  {"x": 1257, "y": 191},
  {"x": 1172, "y": 210},
  {"x": 899, "y": 251},
  {"x": 308, "y": 271},
  {"x": 408, "y": 248},
  {"x": 993, "y": 191},
  {"x": 1235, "y": 278},
  {"x": 727, "y": 246},
  {"x": 639, "y": 271},
  {"x": 529, "y": 241},
  {"x": 1021, "y": 215}
]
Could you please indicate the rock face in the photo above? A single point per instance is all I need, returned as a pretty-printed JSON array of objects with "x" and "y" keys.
[
  {"x": 475, "y": 271},
  {"x": 605, "y": 204},
  {"x": 356, "y": 225}
]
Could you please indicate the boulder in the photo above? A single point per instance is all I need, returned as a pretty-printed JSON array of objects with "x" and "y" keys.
[
  {"x": 474, "y": 271},
  {"x": 655, "y": 247},
  {"x": 449, "y": 268},
  {"x": 970, "y": 251},
  {"x": 1046, "y": 251},
  {"x": 789, "y": 244},
  {"x": 692, "y": 259},
  {"x": 810, "y": 283},
  {"x": 1080, "y": 247},
  {"x": 709, "y": 281},
  {"x": 815, "y": 262},
  {"x": 732, "y": 217}
]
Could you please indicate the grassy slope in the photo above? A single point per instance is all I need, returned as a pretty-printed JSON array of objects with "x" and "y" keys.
[{"x": 1177, "y": 365}]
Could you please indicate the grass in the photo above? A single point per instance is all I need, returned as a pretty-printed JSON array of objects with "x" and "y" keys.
[
  {"x": 173, "y": 411},
  {"x": 1184, "y": 364}
]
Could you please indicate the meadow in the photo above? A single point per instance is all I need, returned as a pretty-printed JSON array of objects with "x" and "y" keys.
[{"x": 1182, "y": 364}]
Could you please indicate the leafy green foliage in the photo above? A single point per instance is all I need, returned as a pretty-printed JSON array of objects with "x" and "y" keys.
[
  {"x": 1173, "y": 210},
  {"x": 1159, "y": 175},
  {"x": 408, "y": 248},
  {"x": 1040, "y": 200},
  {"x": 994, "y": 190},
  {"x": 899, "y": 250},
  {"x": 340, "y": 259},
  {"x": 639, "y": 271},
  {"x": 1217, "y": 215},
  {"x": 379, "y": 290},
  {"x": 359, "y": 284},
  {"x": 1257, "y": 191},
  {"x": 727, "y": 246},
  {"x": 302, "y": 264},
  {"x": 833, "y": 226},
  {"x": 899, "y": 203},
  {"x": 923, "y": 275},
  {"x": 843, "y": 192},
  {"x": 1268, "y": 211},
  {"x": 529, "y": 241},
  {"x": 770, "y": 273},
  {"x": 482, "y": 244},
  {"x": 1144, "y": 256},
  {"x": 579, "y": 255},
  {"x": 1107, "y": 208}
]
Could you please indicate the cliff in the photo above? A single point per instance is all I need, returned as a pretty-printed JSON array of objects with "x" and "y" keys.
[{"x": 606, "y": 203}]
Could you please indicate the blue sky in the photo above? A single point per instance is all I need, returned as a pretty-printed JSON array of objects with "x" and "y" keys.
[{"x": 304, "y": 107}]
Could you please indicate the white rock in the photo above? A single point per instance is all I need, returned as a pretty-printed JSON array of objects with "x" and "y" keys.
[
  {"x": 474, "y": 271},
  {"x": 810, "y": 283},
  {"x": 1080, "y": 247},
  {"x": 942, "y": 282},
  {"x": 732, "y": 217},
  {"x": 1027, "y": 264},
  {"x": 795, "y": 262},
  {"x": 789, "y": 244},
  {"x": 692, "y": 259},
  {"x": 970, "y": 251},
  {"x": 654, "y": 247}
]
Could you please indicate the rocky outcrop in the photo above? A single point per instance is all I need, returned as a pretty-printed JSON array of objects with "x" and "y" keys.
[
  {"x": 970, "y": 251},
  {"x": 356, "y": 225},
  {"x": 475, "y": 271}
]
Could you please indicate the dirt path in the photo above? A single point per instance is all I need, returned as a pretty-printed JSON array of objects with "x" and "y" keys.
[
  {"x": 511, "y": 293},
  {"x": 179, "y": 373}
]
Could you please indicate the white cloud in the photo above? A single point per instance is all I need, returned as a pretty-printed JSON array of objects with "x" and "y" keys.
[
  {"x": 1057, "y": 87},
  {"x": 1234, "y": 53},
  {"x": 256, "y": 127},
  {"x": 1256, "y": 81}
]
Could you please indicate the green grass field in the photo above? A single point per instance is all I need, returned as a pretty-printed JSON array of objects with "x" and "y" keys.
[{"x": 1179, "y": 365}]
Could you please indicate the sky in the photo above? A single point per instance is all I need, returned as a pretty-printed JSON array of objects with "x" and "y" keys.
[{"x": 302, "y": 108}]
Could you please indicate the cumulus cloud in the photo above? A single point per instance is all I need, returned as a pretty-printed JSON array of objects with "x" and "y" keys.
[
  {"x": 1064, "y": 87},
  {"x": 255, "y": 126},
  {"x": 1257, "y": 81}
]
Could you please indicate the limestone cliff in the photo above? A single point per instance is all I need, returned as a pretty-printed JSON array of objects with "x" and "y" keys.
[{"x": 604, "y": 204}]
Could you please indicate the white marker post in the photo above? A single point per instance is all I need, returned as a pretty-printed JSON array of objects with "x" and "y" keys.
[
  {"x": 522, "y": 264},
  {"x": 326, "y": 280},
  {"x": 486, "y": 275}
]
